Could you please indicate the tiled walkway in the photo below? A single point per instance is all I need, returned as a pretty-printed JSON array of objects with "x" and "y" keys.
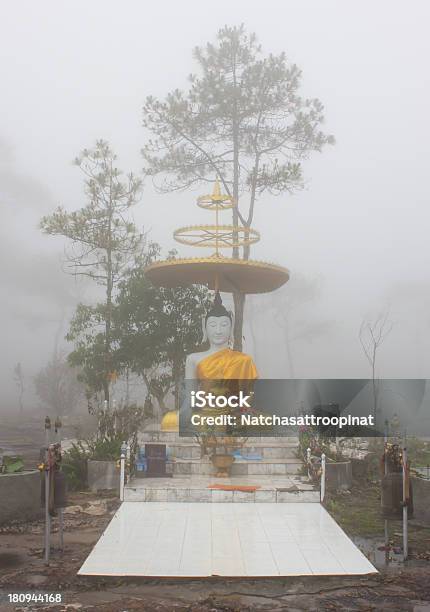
[{"x": 224, "y": 539}]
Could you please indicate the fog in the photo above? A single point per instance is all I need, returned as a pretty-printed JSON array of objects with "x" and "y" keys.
[{"x": 73, "y": 72}]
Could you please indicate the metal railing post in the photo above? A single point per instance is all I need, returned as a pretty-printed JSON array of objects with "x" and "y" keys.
[
  {"x": 322, "y": 485},
  {"x": 46, "y": 476},
  {"x": 308, "y": 461},
  {"x": 405, "y": 499},
  {"x": 58, "y": 426},
  {"x": 122, "y": 470},
  {"x": 47, "y": 515}
]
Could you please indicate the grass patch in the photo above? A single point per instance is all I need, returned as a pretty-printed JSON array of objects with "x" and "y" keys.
[{"x": 358, "y": 512}]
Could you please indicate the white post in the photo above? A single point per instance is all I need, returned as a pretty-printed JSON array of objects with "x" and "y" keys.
[
  {"x": 128, "y": 456},
  {"x": 122, "y": 470},
  {"x": 405, "y": 500},
  {"x": 308, "y": 461},
  {"x": 322, "y": 487}
]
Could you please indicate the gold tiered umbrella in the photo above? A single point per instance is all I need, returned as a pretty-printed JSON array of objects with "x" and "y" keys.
[{"x": 216, "y": 271}]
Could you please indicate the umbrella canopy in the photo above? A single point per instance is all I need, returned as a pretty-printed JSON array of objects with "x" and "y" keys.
[{"x": 219, "y": 273}]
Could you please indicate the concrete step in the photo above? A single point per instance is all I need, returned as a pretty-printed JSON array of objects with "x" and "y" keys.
[
  {"x": 287, "y": 489},
  {"x": 266, "y": 450},
  {"x": 240, "y": 467},
  {"x": 175, "y": 438}
]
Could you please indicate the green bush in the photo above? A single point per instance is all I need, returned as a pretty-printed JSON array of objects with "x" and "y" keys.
[
  {"x": 105, "y": 449},
  {"x": 113, "y": 429},
  {"x": 74, "y": 465}
]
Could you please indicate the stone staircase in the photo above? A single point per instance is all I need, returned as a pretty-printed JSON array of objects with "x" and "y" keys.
[
  {"x": 272, "y": 472},
  {"x": 241, "y": 467},
  {"x": 276, "y": 456}
]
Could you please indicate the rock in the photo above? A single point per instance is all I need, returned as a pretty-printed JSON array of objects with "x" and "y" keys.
[
  {"x": 73, "y": 509},
  {"x": 36, "y": 579},
  {"x": 96, "y": 509}
]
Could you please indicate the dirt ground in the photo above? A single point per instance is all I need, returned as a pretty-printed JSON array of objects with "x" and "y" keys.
[{"x": 22, "y": 569}]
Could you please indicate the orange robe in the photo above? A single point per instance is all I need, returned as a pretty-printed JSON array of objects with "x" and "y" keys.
[{"x": 227, "y": 364}]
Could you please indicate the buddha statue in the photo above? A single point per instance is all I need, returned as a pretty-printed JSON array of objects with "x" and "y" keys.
[
  {"x": 219, "y": 361},
  {"x": 213, "y": 368},
  {"x": 219, "y": 369}
]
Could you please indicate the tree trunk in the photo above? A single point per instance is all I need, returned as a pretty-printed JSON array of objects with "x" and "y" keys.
[
  {"x": 176, "y": 371},
  {"x": 127, "y": 386},
  {"x": 251, "y": 318},
  {"x": 239, "y": 307},
  {"x": 109, "y": 287},
  {"x": 374, "y": 387},
  {"x": 21, "y": 403},
  {"x": 162, "y": 408},
  {"x": 106, "y": 374},
  {"x": 238, "y": 298},
  {"x": 289, "y": 354}
]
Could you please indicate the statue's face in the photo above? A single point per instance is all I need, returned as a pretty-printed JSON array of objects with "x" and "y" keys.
[{"x": 218, "y": 330}]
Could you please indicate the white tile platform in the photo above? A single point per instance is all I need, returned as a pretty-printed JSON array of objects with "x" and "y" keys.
[
  {"x": 223, "y": 539},
  {"x": 196, "y": 489}
]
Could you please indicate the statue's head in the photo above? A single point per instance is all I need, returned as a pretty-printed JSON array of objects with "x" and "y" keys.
[{"x": 218, "y": 323}]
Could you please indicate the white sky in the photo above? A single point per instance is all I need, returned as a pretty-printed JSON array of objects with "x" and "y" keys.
[{"x": 72, "y": 72}]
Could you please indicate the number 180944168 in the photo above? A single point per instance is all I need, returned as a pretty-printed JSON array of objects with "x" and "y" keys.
[{"x": 26, "y": 597}]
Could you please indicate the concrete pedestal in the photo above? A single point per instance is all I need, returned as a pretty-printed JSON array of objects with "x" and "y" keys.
[
  {"x": 20, "y": 496},
  {"x": 338, "y": 475},
  {"x": 103, "y": 475},
  {"x": 421, "y": 489}
]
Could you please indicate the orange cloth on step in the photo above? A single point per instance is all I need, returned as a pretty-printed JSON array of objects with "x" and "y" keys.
[
  {"x": 243, "y": 488},
  {"x": 227, "y": 364}
]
